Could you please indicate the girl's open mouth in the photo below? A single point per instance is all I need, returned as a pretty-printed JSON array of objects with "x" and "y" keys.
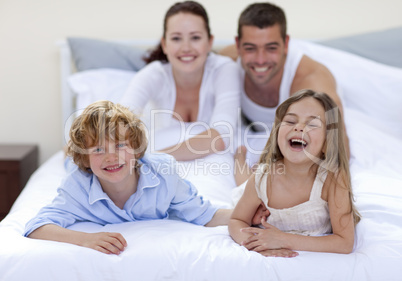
[{"x": 297, "y": 143}]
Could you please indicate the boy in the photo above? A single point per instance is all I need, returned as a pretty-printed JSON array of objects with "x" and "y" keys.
[{"x": 116, "y": 182}]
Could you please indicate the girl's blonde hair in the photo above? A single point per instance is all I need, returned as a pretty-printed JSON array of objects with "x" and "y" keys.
[
  {"x": 335, "y": 157},
  {"x": 103, "y": 120}
]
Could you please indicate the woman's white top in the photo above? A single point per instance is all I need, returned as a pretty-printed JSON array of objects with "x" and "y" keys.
[
  {"x": 309, "y": 218},
  {"x": 219, "y": 97}
]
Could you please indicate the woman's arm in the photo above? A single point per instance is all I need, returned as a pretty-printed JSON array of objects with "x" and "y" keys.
[
  {"x": 203, "y": 144},
  {"x": 341, "y": 241},
  {"x": 223, "y": 83},
  {"x": 105, "y": 242}
]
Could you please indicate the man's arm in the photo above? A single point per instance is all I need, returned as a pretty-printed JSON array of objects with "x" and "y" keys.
[
  {"x": 229, "y": 51},
  {"x": 315, "y": 76}
]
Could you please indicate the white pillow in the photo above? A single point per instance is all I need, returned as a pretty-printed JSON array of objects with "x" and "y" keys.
[{"x": 99, "y": 84}]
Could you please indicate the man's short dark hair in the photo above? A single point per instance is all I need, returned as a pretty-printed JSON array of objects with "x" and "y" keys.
[{"x": 262, "y": 15}]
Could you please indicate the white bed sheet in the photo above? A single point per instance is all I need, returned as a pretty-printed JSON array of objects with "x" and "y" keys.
[{"x": 173, "y": 250}]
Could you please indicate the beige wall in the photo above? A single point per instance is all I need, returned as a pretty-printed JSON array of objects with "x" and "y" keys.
[{"x": 29, "y": 67}]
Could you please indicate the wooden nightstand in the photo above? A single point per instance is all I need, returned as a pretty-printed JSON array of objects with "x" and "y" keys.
[{"x": 17, "y": 163}]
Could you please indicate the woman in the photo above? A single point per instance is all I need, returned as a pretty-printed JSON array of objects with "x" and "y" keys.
[{"x": 188, "y": 83}]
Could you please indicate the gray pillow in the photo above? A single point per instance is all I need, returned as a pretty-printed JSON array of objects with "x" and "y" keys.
[
  {"x": 381, "y": 46},
  {"x": 92, "y": 54}
]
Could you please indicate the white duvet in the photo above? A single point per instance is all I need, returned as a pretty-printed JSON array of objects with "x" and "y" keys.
[{"x": 173, "y": 250}]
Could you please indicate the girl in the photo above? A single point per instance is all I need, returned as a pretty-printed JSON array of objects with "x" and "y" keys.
[
  {"x": 303, "y": 180},
  {"x": 188, "y": 82}
]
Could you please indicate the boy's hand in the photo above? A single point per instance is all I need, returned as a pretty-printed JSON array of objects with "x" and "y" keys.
[
  {"x": 105, "y": 242},
  {"x": 262, "y": 212}
]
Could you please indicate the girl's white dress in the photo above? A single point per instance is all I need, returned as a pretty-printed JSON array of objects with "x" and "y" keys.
[{"x": 308, "y": 218}]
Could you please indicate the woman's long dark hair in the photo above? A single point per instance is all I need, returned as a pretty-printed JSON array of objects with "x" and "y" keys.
[{"x": 190, "y": 7}]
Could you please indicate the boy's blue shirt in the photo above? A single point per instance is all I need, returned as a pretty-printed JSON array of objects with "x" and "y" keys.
[{"x": 161, "y": 193}]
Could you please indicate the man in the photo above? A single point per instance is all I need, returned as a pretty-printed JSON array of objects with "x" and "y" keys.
[{"x": 271, "y": 68}]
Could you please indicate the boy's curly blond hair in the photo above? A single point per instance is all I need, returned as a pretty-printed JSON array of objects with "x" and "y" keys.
[{"x": 104, "y": 120}]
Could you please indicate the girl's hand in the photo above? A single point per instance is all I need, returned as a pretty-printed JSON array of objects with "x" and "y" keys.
[
  {"x": 269, "y": 238},
  {"x": 105, "y": 242}
]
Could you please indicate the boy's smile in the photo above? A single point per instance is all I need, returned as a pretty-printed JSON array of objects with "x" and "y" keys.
[
  {"x": 112, "y": 163},
  {"x": 114, "y": 168}
]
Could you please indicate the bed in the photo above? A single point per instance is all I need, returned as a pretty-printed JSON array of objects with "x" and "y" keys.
[{"x": 174, "y": 250}]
